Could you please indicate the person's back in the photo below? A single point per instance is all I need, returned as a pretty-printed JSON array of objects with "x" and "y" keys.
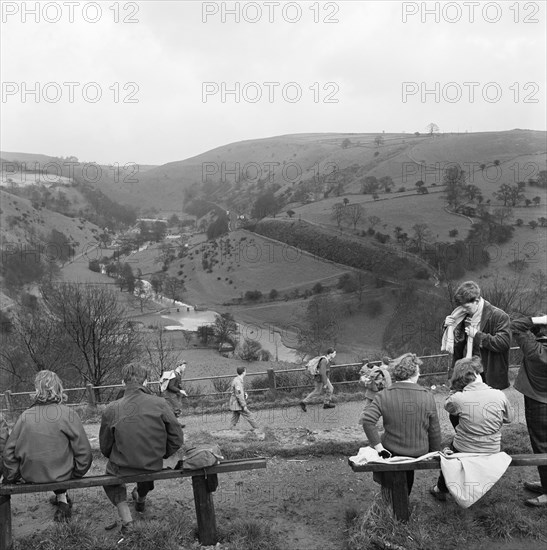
[
  {"x": 137, "y": 432},
  {"x": 482, "y": 411},
  {"x": 141, "y": 422}
]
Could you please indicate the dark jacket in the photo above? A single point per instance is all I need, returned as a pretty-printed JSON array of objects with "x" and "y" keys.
[
  {"x": 532, "y": 377},
  {"x": 138, "y": 431},
  {"x": 4, "y": 434},
  {"x": 175, "y": 384},
  {"x": 491, "y": 343},
  {"x": 410, "y": 419},
  {"x": 323, "y": 370},
  {"x": 48, "y": 443}
]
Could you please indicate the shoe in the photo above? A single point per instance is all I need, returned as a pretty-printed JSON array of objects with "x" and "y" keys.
[
  {"x": 537, "y": 502},
  {"x": 139, "y": 506},
  {"x": 53, "y": 500},
  {"x": 127, "y": 528},
  {"x": 63, "y": 512},
  {"x": 328, "y": 406},
  {"x": 534, "y": 487},
  {"x": 303, "y": 406},
  {"x": 111, "y": 526},
  {"x": 437, "y": 494}
]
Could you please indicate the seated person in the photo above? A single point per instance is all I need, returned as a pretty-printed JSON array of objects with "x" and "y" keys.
[
  {"x": 48, "y": 443},
  {"x": 136, "y": 433},
  {"x": 481, "y": 410},
  {"x": 409, "y": 414}
]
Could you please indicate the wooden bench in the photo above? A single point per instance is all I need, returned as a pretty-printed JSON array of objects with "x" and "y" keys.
[
  {"x": 204, "y": 483},
  {"x": 394, "y": 488}
]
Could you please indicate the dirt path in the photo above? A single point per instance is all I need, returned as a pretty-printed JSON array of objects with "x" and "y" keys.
[{"x": 340, "y": 423}]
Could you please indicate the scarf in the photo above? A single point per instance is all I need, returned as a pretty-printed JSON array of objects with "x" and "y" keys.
[{"x": 459, "y": 315}]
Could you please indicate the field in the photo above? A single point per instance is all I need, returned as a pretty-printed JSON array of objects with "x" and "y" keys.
[
  {"x": 403, "y": 210},
  {"x": 254, "y": 263}
]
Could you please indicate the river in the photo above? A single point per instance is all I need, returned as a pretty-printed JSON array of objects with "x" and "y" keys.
[{"x": 187, "y": 318}]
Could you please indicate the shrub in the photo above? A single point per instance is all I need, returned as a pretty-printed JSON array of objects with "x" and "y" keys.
[
  {"x": 253, "y": 295},
  {"x": 317, "y": 288},
  {"x": 250, "y": 350},
  {"x": 94, "y": 266},
  {"x": 221, "y": 385},
  {"x": 374, "y": 307},
  {"x": 273, "y": 294}
]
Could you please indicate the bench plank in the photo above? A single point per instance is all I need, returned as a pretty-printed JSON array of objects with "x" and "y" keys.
[
  {"x": 96, "y": 481},
  {"x": 435, "y": 464},
  {"x": 204, "y": 483},
  {"x": 394, "y": 487}
]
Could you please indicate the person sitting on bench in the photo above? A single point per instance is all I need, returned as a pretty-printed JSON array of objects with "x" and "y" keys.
[
  {"x": 409, "y": 415},
  {"x": 481, "y": 410},
  {"x": 136, "y": 433},
  {"x": 48, "y": 443}
]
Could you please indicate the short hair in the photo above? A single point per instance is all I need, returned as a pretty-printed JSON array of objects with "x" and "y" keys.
[
  {"x": 240, "y": 370},
  {"x": 329, "y": 351},
  {"x": 404, "y": 367},
  {"x": 134, "y": 373},
  {"x": 475, "y": 362},
  {"x": 467, "y": 292},
  {"x": 49, "y": 388},
  {"x": 464, "y": 373}
]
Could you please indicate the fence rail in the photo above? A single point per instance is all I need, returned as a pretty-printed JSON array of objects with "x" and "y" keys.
[{"x": 17, "y": 401}]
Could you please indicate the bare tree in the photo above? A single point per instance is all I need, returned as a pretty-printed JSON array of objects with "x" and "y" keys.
[
  {"x": 374, "y": 221},
  {"x": 162, "y": 354},
  {"x": 338, "y": 213},
  {"x": 321, "y": 325},
  {"x": 225, "y": 328},
  {"x": 97, "y": 324},
  {"x": 173, "y": 288},
  {"x": 422, "y": 234},
  {"x": 354, "y": 213}
]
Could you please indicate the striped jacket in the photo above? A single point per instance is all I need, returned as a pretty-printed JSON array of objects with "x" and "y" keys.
[{"x": 410, "y": 420}]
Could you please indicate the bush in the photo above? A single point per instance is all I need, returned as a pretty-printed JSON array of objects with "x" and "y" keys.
[
  {"x": 94, "y": 266},
  {"x": 250, "y": 350},
  {"x": 317, "y": 288},
  {"x": 273, "y": 294},
  {"x": 253, "y": 295},
  {"x": 221, "y": 385},
  {"x": 374, "y": 308}
]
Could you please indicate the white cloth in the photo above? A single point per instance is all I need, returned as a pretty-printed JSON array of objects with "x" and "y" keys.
[
  {"x": 165, "y": 377},
  {"x": 370, "y": 454},
  {"x": 469, "y": 476},
  {"x": 459, "y": 315}
]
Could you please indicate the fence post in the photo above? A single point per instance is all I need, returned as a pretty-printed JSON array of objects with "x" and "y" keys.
[
  {"x": 90, "y": 395},
  {"x": 7, "y": 396},
  {"x": 271, "y": 379}
]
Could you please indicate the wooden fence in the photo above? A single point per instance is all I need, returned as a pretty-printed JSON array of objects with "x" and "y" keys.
[{"x": 12, "y": 402}]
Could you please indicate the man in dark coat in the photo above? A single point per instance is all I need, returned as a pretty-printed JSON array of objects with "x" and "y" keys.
[
  {"x": 487, "y": 327},
  {"x": 137, "y": 432},
  {"x": 529, "y": 333}
]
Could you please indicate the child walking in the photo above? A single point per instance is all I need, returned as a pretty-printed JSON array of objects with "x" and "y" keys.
[{"x": 238, "y": 403}]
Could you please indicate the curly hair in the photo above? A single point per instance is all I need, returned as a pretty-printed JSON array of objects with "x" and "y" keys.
[
  {"x": 465, "y": 372},
  {"x": 404, "y": 367},
  {"x": 49, "y": 388}
]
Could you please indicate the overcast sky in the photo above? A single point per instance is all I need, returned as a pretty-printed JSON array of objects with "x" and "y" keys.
[{"x": 361, "y": 66}]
